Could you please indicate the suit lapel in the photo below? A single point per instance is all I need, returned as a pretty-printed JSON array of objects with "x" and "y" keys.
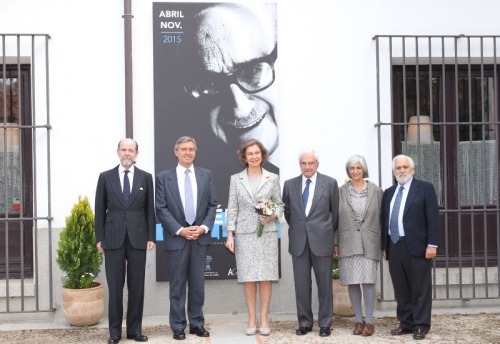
[
  {"x": 114, "y": 179},
  {"x": 266, "y": 175},
  {"x": 243, "y": 175},
  {"x": 414, "y": 189},
  {"x": 136, "y": 185},
  {"x": 318, "y": 191},
  {"x": 369, "y": 199},
  {"x": 298, "y": 195},
  {"x": 201, "y": 179},
  {"x": 172, "y": 184}
]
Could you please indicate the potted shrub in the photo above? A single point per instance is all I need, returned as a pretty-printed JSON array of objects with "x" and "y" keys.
[
  {"x": 341, "y": 302},
  {"x": 78, "y": 258}
]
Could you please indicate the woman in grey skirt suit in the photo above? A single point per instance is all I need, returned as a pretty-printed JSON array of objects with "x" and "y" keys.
[
  {"x": 256, "y": 257},
  {"x": 357, "y": 240}
]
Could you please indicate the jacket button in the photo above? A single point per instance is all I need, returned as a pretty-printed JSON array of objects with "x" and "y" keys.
[{"x": 359, "y": 229}]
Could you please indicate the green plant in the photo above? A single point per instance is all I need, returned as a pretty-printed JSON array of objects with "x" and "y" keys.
[
  {"x": 77, "y": 253},
  {"x": 335, "y": 269}
]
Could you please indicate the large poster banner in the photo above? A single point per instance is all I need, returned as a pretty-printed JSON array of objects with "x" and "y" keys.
[{"x": 215, "y": 79}]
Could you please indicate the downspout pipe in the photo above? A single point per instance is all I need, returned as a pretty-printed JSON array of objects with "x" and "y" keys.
[{"x": 129, "y": 114}]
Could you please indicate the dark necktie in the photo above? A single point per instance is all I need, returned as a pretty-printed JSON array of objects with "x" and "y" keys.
[
  {"x": 305, "y": 194},
  {"x": 188, "y": 199},
  {"x": 126, "y": 187},
  {"x": 393, "y": 223}
]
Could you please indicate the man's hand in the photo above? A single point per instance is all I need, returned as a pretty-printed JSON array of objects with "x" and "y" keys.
[
  {"x": 99, "y": 248},
  {"x": 192, "y": 232},
  {"x": 430, "y": 252},
  {"x": 150, "y": 245},
  {"x": 336, "y": 252}
]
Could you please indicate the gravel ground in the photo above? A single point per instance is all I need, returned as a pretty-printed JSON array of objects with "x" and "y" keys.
[{"x": 477, "y": 328}]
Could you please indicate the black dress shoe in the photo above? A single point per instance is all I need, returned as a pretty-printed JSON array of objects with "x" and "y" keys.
[
  {"x": 179, "y": 334},
  {"x": 114, "y": 340},
  {"x": 325, "y": 331},
  {"x": 302, "y": 330},
  {"x": 199, "y": 331},
  {"x": 419, "y": 334},
  {"x": 401, "y": 331},
  {"x": 138, "y": 337}
]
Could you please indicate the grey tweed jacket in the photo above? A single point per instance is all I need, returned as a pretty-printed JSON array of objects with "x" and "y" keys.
[
  {"x": 241, "y": 215},
  {"x": 353, "y": 237}
]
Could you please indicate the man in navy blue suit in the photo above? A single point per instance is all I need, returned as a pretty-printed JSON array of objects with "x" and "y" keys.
[
  {"x": 410, "y": 236},
  {"x": 186, "y": 204}
]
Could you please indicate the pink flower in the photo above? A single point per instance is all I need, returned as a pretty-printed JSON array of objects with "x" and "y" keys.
[{"x": 264, "y": 207}]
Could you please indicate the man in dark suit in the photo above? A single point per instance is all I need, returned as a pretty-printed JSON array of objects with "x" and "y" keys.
[
  {"x": 311, "y": 210},
  {"x": 125, "y": 227},
  {"x": 186, "y": 204},
  {"x": 409, "y": 241}
]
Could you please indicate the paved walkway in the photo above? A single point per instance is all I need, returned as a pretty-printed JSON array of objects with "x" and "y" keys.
[{"x": 229, "y": 329}]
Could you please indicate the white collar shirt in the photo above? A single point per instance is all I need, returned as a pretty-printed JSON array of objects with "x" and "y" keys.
[{"x": 121, "y": 174}]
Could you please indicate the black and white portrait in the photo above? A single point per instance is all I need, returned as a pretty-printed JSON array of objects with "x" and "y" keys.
[{"x": 216, "y": 76}]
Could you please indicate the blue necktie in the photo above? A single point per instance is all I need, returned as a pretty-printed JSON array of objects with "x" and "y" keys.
[
  {"x": 393, "y": 223},
  {"x": 305, "y": 194},
  {"x": 188, "y": 200},
  {"x": 126, "y": 187}
]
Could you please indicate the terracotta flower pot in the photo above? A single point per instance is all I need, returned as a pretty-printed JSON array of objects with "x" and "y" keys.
[
  {"x": 83, "y": 307},
  {"x": 341, "y": 302}
]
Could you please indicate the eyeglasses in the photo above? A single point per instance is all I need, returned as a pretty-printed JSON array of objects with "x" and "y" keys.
[{"x": 251, "y": 77}]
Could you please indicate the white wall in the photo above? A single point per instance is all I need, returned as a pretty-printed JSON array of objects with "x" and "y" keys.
[{"x": 328, "y": 91}]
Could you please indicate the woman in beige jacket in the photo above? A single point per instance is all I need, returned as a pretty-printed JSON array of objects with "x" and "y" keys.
[{"x": 357, "y": 240}]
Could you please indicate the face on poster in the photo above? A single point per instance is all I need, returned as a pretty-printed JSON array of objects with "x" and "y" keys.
[{"x": 215, "y": 79}]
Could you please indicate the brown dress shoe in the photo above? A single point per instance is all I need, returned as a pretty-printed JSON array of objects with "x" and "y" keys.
[
  {"x": 400, "y": 331},
  {"x": 358, "y": 329},
  {"x": 368, "y": 330}
]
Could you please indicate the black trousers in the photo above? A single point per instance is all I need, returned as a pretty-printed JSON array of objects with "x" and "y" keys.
[
  {"x": 412, "y": 282},
  {"x": 131, "y": 262}
]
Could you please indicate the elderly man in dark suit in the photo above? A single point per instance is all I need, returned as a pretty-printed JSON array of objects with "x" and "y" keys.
[
  {"x": 186, "y": 204},
  {"x": 125, "y": 227},
  {"x": 311, "y": 210},
  {"x": 410, "y": 234}
]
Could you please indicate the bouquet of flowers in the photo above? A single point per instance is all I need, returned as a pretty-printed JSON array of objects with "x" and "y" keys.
[{"x": 264, "y": 207}]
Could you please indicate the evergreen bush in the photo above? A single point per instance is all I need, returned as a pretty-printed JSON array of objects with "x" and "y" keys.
[{"x": 77, "y": 253}]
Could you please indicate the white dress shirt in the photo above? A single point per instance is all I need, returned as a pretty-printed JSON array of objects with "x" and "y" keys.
[{"x": 121, "y": 174}]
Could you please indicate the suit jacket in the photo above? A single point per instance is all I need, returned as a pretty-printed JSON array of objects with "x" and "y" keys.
[
  {"x": 241, "y": 215},
  {"x": 359, "y": 238},
  {"x": 318, "y": 227},
  {"x": 420, "y": 217},
  {"x": 170, "y": 211},
  {"x": 113, "y": 219}
]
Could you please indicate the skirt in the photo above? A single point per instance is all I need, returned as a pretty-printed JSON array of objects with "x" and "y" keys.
[
  {"x": 357, "y": 270},
  {"x": 256, "y": 258}
]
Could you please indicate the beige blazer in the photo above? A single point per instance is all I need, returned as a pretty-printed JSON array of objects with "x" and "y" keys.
[
  {"x": 354, "y": 238},
  {"x": 241, "y": 215}
]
